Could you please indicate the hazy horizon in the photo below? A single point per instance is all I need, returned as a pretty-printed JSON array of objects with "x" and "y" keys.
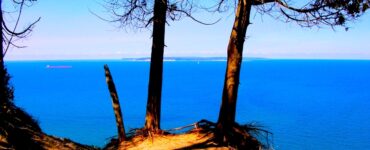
[
  {"x": 205, "y": 57},
  {"x": 68, "y": 31}
]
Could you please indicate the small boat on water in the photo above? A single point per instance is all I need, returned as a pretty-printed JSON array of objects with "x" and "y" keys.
[{"x": 58, "y": 66}]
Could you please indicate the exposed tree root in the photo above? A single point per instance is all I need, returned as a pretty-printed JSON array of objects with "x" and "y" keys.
[
  {"x": 139, "y": 134},
  {"x": 236, "y": 137},
  {"x": 199, "y": 135}
]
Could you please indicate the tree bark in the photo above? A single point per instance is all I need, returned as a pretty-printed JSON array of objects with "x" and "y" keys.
[
  {"x": 226, "y": 117},
  {"x": 115, "y": 103},
  {"x": 153, "y": 109}
]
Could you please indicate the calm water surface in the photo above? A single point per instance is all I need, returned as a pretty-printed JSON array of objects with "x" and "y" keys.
[{"x": 307, "y": 104}]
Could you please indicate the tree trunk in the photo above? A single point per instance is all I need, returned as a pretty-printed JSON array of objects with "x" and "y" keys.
[
  {"x": 3, "y": 90},
  {"x": 153, "y": 109},
  {"x": 116, "y": 105},
  {"x": 226, "y": 117}
]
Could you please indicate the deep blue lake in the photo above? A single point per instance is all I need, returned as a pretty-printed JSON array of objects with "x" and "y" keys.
[{"x": 306, "y": 104}]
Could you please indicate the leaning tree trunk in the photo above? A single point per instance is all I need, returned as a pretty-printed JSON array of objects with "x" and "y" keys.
[
  {"x": 153, "y": 108},
  {"x": 116, "y": 105},
  {"x": 226, "y": 117}
]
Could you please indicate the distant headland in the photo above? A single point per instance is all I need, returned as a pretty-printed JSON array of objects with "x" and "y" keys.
[{"x": 187, "y": 59}]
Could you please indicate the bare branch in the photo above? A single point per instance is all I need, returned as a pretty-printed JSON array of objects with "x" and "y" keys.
[
  {"x": 317, "y": 12},
  {"x": 12, "y": 32},
  {"x": 196, "y": 20},
  {"x": 139, "y": 13}
]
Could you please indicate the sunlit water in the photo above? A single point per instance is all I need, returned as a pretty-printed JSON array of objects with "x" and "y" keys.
[{"x": 307, "y": 104}]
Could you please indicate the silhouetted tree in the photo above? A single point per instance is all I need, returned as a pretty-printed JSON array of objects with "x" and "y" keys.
[
  {"x": 7, "y": 37},
  {"x": 14, "y": 121},
  {"x": 311, "y": 13},
  {"x": 141, "y": 14}
]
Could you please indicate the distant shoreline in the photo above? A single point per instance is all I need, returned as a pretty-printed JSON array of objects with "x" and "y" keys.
[{"x": 172, "y": 59}]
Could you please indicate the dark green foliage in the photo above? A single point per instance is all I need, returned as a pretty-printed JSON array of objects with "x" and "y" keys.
[
  {"x": 341, "y": 20},
  {"x": 7, "y": 90},
  {"x": 365, "y": 7},
  {"x": 314, "y": 12}
]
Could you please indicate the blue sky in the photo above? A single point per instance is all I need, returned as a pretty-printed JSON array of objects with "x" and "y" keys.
[{"x": 69, "y": 30}]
